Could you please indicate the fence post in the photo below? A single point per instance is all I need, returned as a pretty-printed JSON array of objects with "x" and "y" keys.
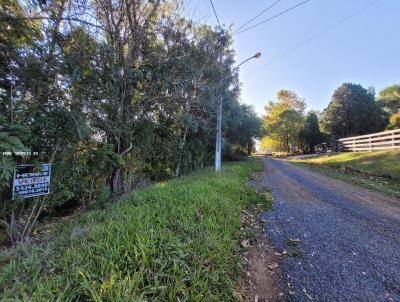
[
  {"x": 370, "y": 143},
  {"x": 354, "y": 144}
]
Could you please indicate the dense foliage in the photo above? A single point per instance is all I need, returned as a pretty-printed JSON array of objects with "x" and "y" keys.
[
  {"x": 284, "y": 120},
  {"x": 353, "y": 111},
  {"x": 112, "y": 94},
  {"x": 389, "y": 99},
  {"x": 286, "y": 127},
  {"x": 311, "y": 135}
]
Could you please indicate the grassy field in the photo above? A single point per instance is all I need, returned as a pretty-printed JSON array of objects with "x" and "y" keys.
[
  {"x": 376, "y": 170},
  {"x": 174, "y": 241}
]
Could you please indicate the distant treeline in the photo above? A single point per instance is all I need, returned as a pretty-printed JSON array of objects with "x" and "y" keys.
[
  {"x": 352, "y": 111},
  {"x": 112, "y": 94}
]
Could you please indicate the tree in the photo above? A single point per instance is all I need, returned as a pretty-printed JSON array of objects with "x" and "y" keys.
[
  {"x": 284, "y": 119},
  {"x": 288, "y": 127},
  {"x": 267, "y": 143},
  {"x": 394, "y": 122},
  {"x": 353, "y": 111},
  {"x": 311, "y": 134},
  {"x": 242, "y": 126},
  {"x": 112, "y": 94},
  {"x": 389, "y": 99}
]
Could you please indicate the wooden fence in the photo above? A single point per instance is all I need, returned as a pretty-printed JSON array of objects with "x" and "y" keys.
[{"x": 375, "y": 141}]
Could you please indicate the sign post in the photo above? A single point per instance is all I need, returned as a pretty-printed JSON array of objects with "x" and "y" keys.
[{"x": 29, "y": 183}]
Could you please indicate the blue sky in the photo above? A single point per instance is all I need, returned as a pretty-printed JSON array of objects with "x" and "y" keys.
[{"x": 364, "y": 49}]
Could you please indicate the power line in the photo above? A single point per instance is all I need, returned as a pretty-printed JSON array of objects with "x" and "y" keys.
[
  {"x": 273, "y": 17},
  {"x": 256, "y": 16},
  {"x": 215, "y": 13},
  {"x": 320, "y": 33}
]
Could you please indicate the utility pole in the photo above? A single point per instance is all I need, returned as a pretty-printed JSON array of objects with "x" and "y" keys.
[
  {"x": 218, "y": 139},
  {"x": 11, "y": 100},
  {"x": 218, "y": 145}
]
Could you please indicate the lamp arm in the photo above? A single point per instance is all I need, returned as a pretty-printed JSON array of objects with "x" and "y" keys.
[{"x": 237, "y": 67}]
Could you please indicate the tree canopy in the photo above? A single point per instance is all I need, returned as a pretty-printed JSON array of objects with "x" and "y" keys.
[
  {"x": 311, "y": 134},
  {"x": 283, "y": 120},
  {"x": 353, "y": 111},
  {"x": 113, "y": 94},
  {"x": 389, "y": 99}
]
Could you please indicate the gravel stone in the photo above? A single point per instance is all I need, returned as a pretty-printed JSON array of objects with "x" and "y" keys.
[{"x": 349, "y": 237}]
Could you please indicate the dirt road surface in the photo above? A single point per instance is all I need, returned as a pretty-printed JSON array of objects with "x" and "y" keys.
[{"x": 338, "y": 242}]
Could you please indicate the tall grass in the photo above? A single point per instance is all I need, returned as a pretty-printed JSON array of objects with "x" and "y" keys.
[{"x": 174, "y": 241}]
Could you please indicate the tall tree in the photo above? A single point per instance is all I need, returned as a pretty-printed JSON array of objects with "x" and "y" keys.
[
  {"x": 311, "y": 134},
  {"x": 284, "y": 119},
  {"x": 353, "y": 111}
]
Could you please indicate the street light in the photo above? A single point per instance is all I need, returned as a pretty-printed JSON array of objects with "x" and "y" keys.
[
  {"x": 256, "y": 56},
  {"x": 218, "y": 142}
]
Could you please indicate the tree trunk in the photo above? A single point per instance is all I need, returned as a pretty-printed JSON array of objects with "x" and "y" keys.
[
  {"x": 249, "y": 148},
  {"x": 116, "y": 183},
  {"x": 177, "y": 170}
]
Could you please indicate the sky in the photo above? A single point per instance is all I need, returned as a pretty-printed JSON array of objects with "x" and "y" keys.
[{"x": 354, "y": 41}]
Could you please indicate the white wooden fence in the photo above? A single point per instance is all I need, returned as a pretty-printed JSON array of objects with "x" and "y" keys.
[{"x": 375, "y": 141}]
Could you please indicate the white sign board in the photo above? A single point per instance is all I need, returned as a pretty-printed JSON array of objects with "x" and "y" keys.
[{"x": 29, "y": 183}]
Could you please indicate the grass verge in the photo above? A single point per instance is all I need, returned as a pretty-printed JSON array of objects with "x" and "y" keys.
[
  {"x": 376, "y": 170},
  {"x": 174, "y": 241},
  {"x": 382, "y": 163}
]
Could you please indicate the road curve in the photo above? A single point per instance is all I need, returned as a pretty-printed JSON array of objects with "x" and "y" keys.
[{"x": 349, "y": 247}]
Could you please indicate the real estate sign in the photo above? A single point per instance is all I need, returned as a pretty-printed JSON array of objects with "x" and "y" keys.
[{"x": 28, "y": 182}]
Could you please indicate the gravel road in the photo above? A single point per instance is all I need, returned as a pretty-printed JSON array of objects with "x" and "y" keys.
[{"x": 349, "y": 237}]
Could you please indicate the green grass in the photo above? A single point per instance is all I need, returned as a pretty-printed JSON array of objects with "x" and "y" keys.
[
  {"x": 375, "y": 170},
  {"x": 381, "y": 163},
  {"x": 174, "y": 241}
]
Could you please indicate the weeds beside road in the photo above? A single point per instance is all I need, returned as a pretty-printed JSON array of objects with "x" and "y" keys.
[{"x": 174, "y": 241}]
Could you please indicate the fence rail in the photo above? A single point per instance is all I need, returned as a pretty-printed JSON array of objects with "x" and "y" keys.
[{"x": 375, "y": 141}]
